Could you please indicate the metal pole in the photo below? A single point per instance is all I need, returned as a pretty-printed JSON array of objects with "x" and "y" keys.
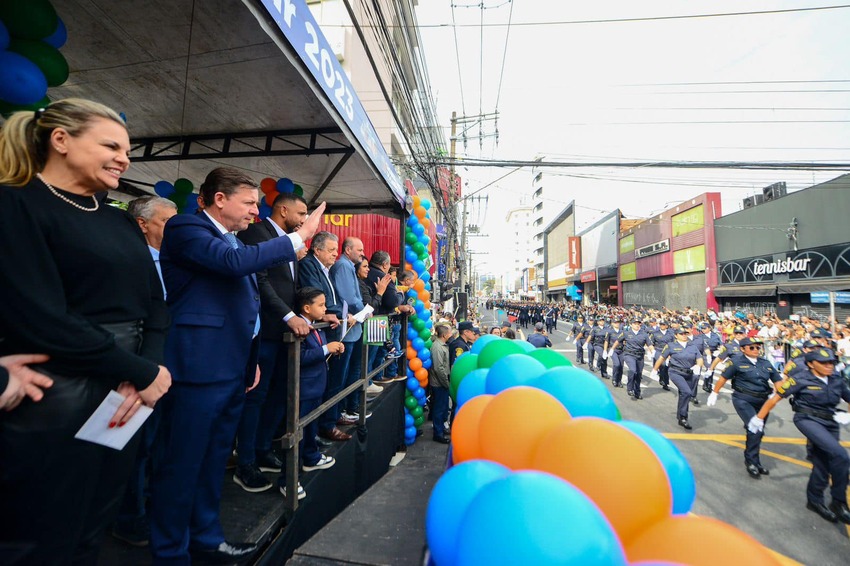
[
  {"x": 598, "y": 296},
  {"x": 832, "y": 312},
  {"x": 402, "y": 337}
]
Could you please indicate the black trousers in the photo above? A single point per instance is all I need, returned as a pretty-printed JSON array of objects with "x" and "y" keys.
[{"x": 58, "y": 494}]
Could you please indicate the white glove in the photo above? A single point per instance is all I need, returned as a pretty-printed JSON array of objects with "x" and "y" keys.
[
  {"x": 756, "y": 425},
  {"x": 841, "y": 417},
  {"x": 707, "y": 373},
  {"x": 653, "y": 374},
  {"x": 611, "y": 352},
  {"x": 605, "y": 354},
  {"x": 712, "y": 399}
]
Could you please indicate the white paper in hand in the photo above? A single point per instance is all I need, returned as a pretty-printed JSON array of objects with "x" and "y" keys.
[
  {"x": 97, "y": 428},
  {"x": 361, "y": 316}
]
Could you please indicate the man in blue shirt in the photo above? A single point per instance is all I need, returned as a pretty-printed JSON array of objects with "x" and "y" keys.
[{"x": 538, "y": 338}]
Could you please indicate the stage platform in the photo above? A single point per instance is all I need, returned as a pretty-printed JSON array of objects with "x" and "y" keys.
[{"x": 387, "y": 518}]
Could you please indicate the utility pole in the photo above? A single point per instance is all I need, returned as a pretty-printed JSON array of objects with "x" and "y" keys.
[
  {"x": 463, "y": 244},
  {"x": 450, "y": 209}
]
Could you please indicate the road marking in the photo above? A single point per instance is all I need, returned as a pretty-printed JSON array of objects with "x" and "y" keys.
[{"x": 738, "y": 438}]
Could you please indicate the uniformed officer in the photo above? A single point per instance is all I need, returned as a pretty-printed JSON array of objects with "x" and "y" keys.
[
  {"x": 580, "y": 332},
  {"x": 661, "y": 338},
  {"x": 797, "y": 364},
  {"x": 752, "y": 378},
  {"x": 726, "y": 350},
  {"x": 466, "y": 335},
  {"x": 681, "y": 354},
  {"x": 596, "y": 348},
  {"x": 818, "y": 392},
  {"x": 635, "y": 340},
  {"x": 708, "y": 343},
  {"x": 615, "y": 336}
]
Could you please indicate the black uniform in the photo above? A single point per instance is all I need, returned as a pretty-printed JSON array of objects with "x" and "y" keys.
[
  {"x": 457, "y": 347},
  {"x": 661, "y": 338},
  {"x": 681, "y": 358},
  {"x": 595, "y": 349},
  {"x": 816, "y": 400},
  {"x": 615, "y": 336},
  {"x": 581, "y": 331},
  {"x": 633, "y": 353},
  {"x": 751, "y": 388}
]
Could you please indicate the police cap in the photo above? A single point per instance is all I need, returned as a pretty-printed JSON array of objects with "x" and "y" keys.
[
  {"x": 664, "y": 322},
  {"x": 704, "y": 325},
  {"x": 465, "y": 325},
  {"x": 810, "y": 344},
  {"x": 739, "y": 330},
  {"x": 821, "y": 355},
  {"x": 749, "y": 341},
  {"x": 821, "y": 333}
]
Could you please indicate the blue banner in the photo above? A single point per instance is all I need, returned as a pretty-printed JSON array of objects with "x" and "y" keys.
[
  {"x": 295, "y": 20},
  {"x": 822, "y": 297}
]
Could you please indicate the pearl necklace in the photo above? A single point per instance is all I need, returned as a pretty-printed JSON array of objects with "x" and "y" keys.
[{"x": 66, "y": 199}]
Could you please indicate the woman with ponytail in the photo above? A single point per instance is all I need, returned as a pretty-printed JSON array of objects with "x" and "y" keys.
[{"x": 79, "y": 285}]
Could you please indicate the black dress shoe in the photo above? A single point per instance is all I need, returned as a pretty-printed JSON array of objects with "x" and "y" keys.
[
  {"x": 842, "y": 513},
  {"x": 631, "y": 393},
  {"x": 822, "y": 510},
  {"x": 225, "y": 553},
  {"x": 441, "y": 439},
  {"x": 695, "y": 401},
  {"x": 685, "y": 424},
  {"x": 268, "y": 461},
  {"x": 753, "y": 470},
  {"x": 665, "y": 387},
  {"x": 762, "y": 470}
]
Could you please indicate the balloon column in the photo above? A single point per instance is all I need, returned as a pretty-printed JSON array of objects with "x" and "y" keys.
[
  {"x": 272, "y": 189},
  {"x": 180, "y": 193},
  {"x": 546, "y": 472},
  {"x": 417, "y": 249},
  {"x": 30, "y": 37}
]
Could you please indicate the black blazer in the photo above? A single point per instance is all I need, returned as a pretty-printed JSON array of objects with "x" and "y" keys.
[{"x": 277, "y": 285}]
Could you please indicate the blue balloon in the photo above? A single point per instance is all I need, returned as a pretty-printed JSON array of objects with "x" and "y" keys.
[
  {"x": 412, "y": 221},
  {"x": 409, "y": 441},
  {"x": 412, "y": 383},
  {"x": 191, "y": 204},
  {"x": 425, "y": 203},
  {"x": 163, "y": 189},
  {"x": 411, "y": 293},
  {"x": 410, "y": 374},
  {"x": 473, "y": 385},
  {"x": 419, "y": 306},
  {"x": 419, "y": 230},
  {"x": 535, "y": 518},
  {"x": 525, "y": 345},
  {"x": 479, "y": 344},
  {"x": 265, "y": 210},
  {"x": 410, "y": 432},
  {"x": 425, "y": 314},
  {"x": 679, "y": 472},
  {"x": 429, "y": 324},
  {"x": 579, "y": 391},
  {"x": 513, "y": 370},
  {"x": 4, "y": 37},
  {"x": 424, "y": 354},
  {"x": 21, "y": 81},
  {"x": 410, "y": 255},
  {"x": 427, "y": 363},
  {"x": 408, "y": 420},
  {"x": 285, "y": 185},
  {"x": 427, "y": 284},
  {"x": 418, "y": 266},
  {"x": 425, "y": 277},
  {"x": 449, "y": 499},
  {"x": 58, "y": 38},
  {"x": 417, "y": 343},
  {"x": 419, "y": 393}
]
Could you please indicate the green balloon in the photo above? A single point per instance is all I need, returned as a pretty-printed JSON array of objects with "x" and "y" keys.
[
  {"x": 298, "y": 190},
  {"x": 416, "y": 412},
  {"x": 617, "y": 416},
  {"x": 183, "y": 187},
  {"x": 496, "y": 350},
  {"x": 418, "y": 324},
  {"x": 464, "y": 364},
  {"x": 46, "y": 57},
  {"x": 425, "y": 334},
  {"x": 33, "y": 19},
  {"x": 410, "y": 237},
  {"x": 411, "y": 402},
  {"x": 418, "y": 248},
  {"x": 550, "y": 358},
  {"x": 7, "y": 108},
  {"x": 429, "y": 343},
  {"x": 418, "y": 421}
]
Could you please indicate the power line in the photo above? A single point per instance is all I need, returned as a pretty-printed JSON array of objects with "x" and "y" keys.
[
  {"x": 504, "y": 55},
  {"x": 754, "y": 165},
  {"x": 457, "y": 57}
]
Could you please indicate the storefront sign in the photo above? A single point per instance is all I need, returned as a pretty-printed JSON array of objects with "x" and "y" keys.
[
  {"x": 588, "y": 276},
  {"x": 822, "y": 297},
  {"x": 652, "y": 249},
  {"x": 295, "y": 20},
  {"x": 574, "y": 252},
  {"x": 781, "y": 266}
]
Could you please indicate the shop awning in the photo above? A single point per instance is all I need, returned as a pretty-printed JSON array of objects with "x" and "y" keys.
[
  {"x": 764, "y": 290},
  {"x": 811, "y": 285}
]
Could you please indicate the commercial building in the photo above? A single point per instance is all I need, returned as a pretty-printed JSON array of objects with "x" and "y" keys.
[
  {"x": 788, "y": 253},
  {"x": 669, "y": 260},
  {"x": 558, "y": 237},
  {"x": 596, "y": 274},
  {"x": 518, "y": 256},
  {"x": 543, "y": 214}
]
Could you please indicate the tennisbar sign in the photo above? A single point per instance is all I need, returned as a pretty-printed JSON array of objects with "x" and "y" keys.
[{"x": 782, "y": 266}]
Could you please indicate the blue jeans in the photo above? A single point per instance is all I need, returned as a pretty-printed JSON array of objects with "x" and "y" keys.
[
  {"x": 439, "y": 410},
  {"x": 392, "y": 369}
]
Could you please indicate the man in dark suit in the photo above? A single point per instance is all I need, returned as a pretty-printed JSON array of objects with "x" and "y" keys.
[
  {"x": 265, "y": 404},
  {"x": 211, "y": 352},
  {"x": 391, "y": 304},
  {"x": 314, "y": 271}
]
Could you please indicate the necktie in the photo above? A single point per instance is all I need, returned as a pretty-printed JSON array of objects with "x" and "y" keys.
[
  {"x": 318, "y": 337},
  {"x": 236, "y": 244}
]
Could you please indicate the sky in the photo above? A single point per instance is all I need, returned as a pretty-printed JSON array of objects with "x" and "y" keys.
[{"x": 755, "y": 88}]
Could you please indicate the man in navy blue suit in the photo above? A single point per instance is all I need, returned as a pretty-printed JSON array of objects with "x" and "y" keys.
[{"x": 211, "y": 352}]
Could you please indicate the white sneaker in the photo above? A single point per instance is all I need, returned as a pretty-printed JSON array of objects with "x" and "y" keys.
[
  {"x": 324, "y": 463},
  {"x": 301, "y": 493},
  {"x": 374, "y": 389}
]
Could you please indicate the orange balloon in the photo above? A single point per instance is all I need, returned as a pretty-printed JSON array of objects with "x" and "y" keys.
[
  {"x": 465, "y": 443},
  {"x": 408, "y": 267},
  {"x": 415, "y": 364},
  {"x": 426, "y": 223},
  {"x": 421, "y": 374},
  {"x": 428, "y": 305},
  {"x": 688, "y": 539},
  {"x": 423, "y": 383},
  {"x": 420, "y": 212},
  {"x": 268, "y": 185},
  {"x": 417, "y": 202},
  {"x": 593, "y": 454},
  {"x": 411, "y": 353},
  {"x": 424, "y": 295},
  {"x": 419, "y": 285},
  {"x": 270, "y": 196},
  {"x": 515, "y": 421}
]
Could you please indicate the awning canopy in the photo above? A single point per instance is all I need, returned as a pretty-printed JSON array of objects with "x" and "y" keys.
[
  {"x": 221, "y": 82},
  {"x": 745, "y": 290},
  {"x": 812, "y": 285}
]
